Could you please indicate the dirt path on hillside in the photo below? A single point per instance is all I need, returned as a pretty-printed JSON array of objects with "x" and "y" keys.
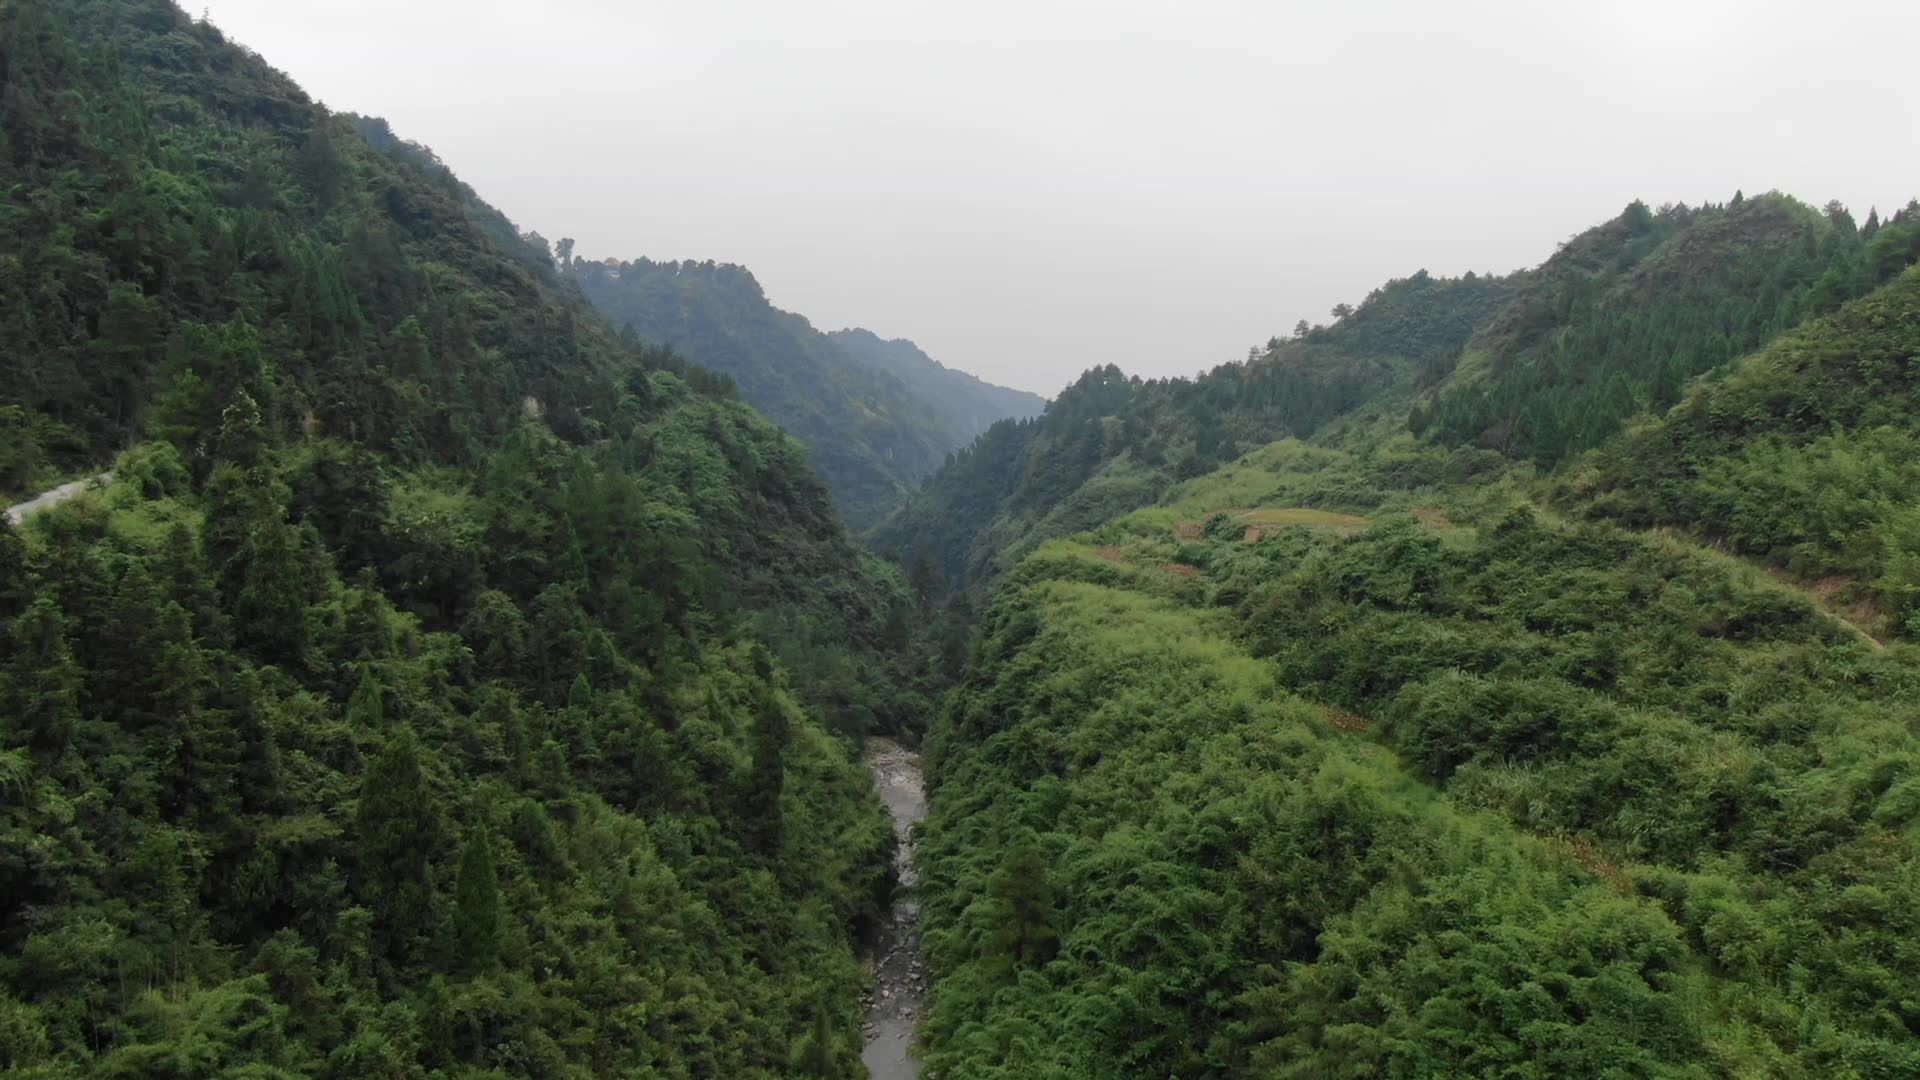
[{"x": 47, "y": 500}]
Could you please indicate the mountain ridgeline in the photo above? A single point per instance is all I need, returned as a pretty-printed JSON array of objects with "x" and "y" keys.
[
  {"x": 876, "y": 416},
  {"x": 1111, "y": 443},
  {"x": 969, "y": 404},
  {"x": 1538, "y": 365}
]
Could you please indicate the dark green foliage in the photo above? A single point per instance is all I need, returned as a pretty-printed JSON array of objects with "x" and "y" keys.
[
  {"x": 476, "y": 908},
  {"x": 387, "y": 713},
  {"x": 767, "y": 778},
  {"x": 43, "y": 684},
  {"x": 398, "y": 830},
  {"x": 1021, "y": 933}
]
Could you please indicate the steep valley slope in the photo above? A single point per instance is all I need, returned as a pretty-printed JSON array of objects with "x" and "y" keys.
[
  {"x": 1396, "y": 748},
  {"x": 443, "y": 684}
]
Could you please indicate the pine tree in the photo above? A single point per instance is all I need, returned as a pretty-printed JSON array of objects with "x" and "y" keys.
[
  {"x": 185, "y": 577},
  {"x": 43, "y": 685},
  {"x": 14, "y": 586},
  {"x": 767, "y": 778},
  {"x": 923, "y": 577},
  {"x": 399, "y": 829},
  {"x": 1023, "y": 935},
  {"x": 815, "y": 1055},
  {"x": 366, "y": 708},
  {"x": 271, "y": 609},
  {"x": 476, "y": 907}
]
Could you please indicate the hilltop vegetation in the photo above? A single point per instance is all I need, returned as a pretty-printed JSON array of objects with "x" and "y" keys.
[
  {"x": 444, "y": 685},
  {"x": 1803, "y": 455},
  {"x": 1623, "y": 316},
  {"x": 876, "y": 417},
  {"x": 1539, "y": 365}
]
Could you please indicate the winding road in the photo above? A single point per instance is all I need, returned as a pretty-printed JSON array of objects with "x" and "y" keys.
[
  {"x": 47, "y": 500},
  {"x": 900, "y": 975}
]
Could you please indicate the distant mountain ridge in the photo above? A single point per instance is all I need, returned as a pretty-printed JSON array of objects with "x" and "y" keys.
[
  {"x": 875, "y": 423},
  {"x": 969, "y": 402}
]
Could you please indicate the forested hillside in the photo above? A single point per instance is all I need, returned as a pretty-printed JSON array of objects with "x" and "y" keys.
[
  {"x": 1317, "y": 771},
  {"x": 443, "y": 685},
  {"x": 1110, "y": 443},
  {"x": 874, "y": 422},
  {"x": 1509, "y": 723},
  {"x": 1540, "y": 365},
  {"x": 1804, "y": 455},
  {"x": 968, "y": 404},
  {"x": 1514, "y": 677}
]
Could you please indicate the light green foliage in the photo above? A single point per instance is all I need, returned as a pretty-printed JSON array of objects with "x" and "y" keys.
[
  {"x": 1567, "y": 800},
  {"x": 1147, "y": 859},
  {"x": 1584, "y": 801}
]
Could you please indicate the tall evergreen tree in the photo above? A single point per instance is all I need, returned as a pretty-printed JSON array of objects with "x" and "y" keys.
[
  {"x": 44, "y": 682},
  {"x": 476, "y": 907},
  {"x": 766, "y": 780},
  {"x": 398, "y": 829}
]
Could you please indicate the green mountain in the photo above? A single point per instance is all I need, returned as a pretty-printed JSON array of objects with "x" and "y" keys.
[
  {"x": 1371, "y": 752},
  {"x": 874, "y": 419},
  {"x": 443, "y": 684},
  {"x": 1110, "y": 443},
  {"x": 969, "y": 405}
]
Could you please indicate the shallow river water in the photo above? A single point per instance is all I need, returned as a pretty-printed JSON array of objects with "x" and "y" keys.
[{"x": 900, "y": 976}]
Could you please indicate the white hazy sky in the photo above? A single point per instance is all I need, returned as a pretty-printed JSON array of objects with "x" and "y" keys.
[{"x": 1030, "y": 188}]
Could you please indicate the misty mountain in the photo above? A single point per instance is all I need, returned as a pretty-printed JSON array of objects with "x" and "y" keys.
[
  {"x": 874, "y": 423},
  {"x": 969, "y": 404}
]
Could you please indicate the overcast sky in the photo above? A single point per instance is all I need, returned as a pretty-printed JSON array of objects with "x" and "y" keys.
[{"x": 1027, "y": 189}]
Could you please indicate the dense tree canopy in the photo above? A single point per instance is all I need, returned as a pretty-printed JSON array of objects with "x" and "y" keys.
[
  {"x": 404, "y": 704},
  {"x": 1440, "y": 785}
]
